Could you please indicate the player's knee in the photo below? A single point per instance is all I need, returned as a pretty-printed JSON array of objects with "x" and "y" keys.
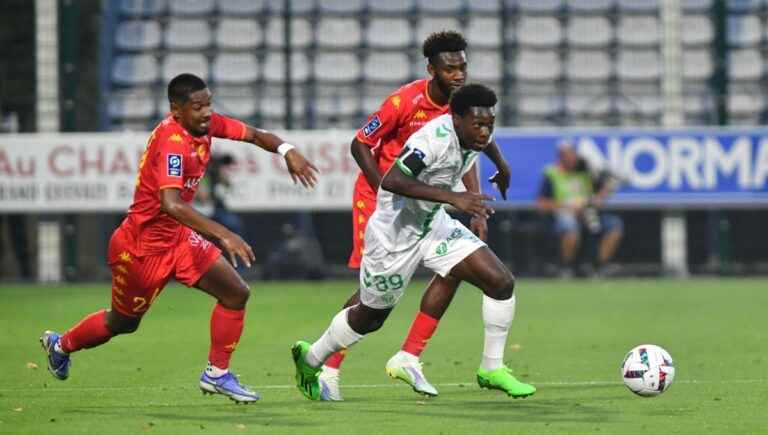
[
  {"x": 238, "y": 297},
  {"x": 123, "y": 325},
  {"x": 502, "y": 285}
]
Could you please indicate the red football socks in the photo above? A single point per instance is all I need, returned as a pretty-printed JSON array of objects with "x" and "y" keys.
[
  {"x": 335, "y": 360},
  {"x": 90, "y": 332},
  {"x": 226, "y": 327},
  {"x": 421, "y": 331}
]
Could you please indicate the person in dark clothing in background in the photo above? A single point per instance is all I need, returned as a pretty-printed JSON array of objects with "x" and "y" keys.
[{"x": 17, "y": 228}]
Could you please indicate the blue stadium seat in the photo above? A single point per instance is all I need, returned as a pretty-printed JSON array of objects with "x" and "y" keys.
[
  {"x": 198, "y": 8},
  {"x": 639, "y": 6},
  {"x": 142, "y": 7},
  {"x": 134, "y": 70},
  {"x": 696, "y": 6},
  {"x": 744, "y": 5},
  {"x": 138, "y": 35},
  {"x": 744, "y": 30},
  {"x": 240, "y": 34}
]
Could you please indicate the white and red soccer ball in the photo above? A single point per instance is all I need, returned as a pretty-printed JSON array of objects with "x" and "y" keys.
[{"x": 648, "y": 370}]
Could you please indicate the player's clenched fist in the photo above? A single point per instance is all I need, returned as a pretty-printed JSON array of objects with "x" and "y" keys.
[
  {"x": 473, "y": 203},
  {"x": 301, "y": 169},
  {"x": 237, "y": 247}
]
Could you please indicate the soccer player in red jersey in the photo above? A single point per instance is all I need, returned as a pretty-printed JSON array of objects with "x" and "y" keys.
[
  {"x": 163, "y": 237},
  {"x": 375, "y": 147}
]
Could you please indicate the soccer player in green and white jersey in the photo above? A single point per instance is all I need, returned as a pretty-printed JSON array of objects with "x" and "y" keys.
[{"x": 410, "y": 226}]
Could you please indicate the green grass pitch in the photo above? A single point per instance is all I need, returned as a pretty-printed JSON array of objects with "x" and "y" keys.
[{"x": 568, "y": 339}]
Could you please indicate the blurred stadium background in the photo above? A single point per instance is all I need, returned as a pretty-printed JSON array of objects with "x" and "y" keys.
[{"x": 634, "y": 66}]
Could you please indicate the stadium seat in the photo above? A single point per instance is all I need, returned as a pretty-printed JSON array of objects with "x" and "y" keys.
[
  {"x": 438, "y": 7},
  {"x": 336, "y": 105},
  {"x": 387, "y": 67},
  {"x": 138, "y": 35},
  {"x": 638, "y": 30},
  {"x": 591, "y": 65},
  {"x": 638, "y": 6},
  {"x": 389, "y": 33},
  {"x": 429, "y": 25},
  {"x": 744, "y": 5},
  {"x": 134, "y": 70},
  {"x": 235, "y": 33},
  {"x": 351, "y": 7},
  {"x": 483, "y": 32},
  {"x": 697, "y": 65},
  {"x": 639, "y": 106},
  {"x": 298, "y": 7},
  {"x": 537, "y": 32},
  {"x": 537, "y": 65},
  {"x": 746, "y": 106},
  {"x": 271, "y": 107},
  {"x": 538, "y": 105},
  {"x": 638, "y": 65},
  {"x": 301, "y": 33},
  {"x": 175, "y": 64},
  {"x": 241, "y": 8},
  {"x": 239, "y": 102},
  {"x": 744, "y": 30},
  {"x": 696, "y": 6},
  {"x": 484, "y": 7},
  {"x": 191, "y": 7},
  {"x": 485, "y": 66},
  {"x": 699, "y": 108},
  {"x": 338, "y": 33},
  {"x": 136, "y": 104},
  {"x": 235, "y": 68},
  {"x": 336, "y": 67},
  {"x": 397, "y": 7},
  {"x": 588, "y": 109},
  {"x": 589, "y": 6},
  {"x": 589, "y": 32},
  {"x": 536, "y": 6},
  {"x": 745, "y": 64},
  {"x": 142, "y": 7},
  {"x": 274, "y": 67},
  {"x": 697, "y": 30},
  {"x": 187, "y": 34}
]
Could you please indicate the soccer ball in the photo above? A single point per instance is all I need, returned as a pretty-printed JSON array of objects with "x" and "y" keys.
[{"x": 648, "y": 370}]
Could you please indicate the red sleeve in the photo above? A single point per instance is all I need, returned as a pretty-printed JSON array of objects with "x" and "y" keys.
[
  {"x": 383, "y": 122},
  {"x": 169, "y": 161},
  {"x": 227, "y": 128}
]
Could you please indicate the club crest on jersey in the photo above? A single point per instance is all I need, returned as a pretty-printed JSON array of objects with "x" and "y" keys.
[
  {"x": 174, "y": 165},
  {"x": 371, "y": 126}
]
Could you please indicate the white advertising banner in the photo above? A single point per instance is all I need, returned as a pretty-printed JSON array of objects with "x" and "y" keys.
[{"x": 96, "y": 172}]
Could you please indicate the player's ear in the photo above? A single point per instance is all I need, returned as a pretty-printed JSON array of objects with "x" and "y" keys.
[
  {"x": 431, "y": 69},
  {"x": 175, "y": 109}
]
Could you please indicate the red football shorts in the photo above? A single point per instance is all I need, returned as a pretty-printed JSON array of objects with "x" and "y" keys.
[
  {"x": 137, "y": 281},
  {"x": 362, "y": 209}
]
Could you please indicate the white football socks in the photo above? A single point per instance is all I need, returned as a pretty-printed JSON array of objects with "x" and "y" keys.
[
  {"x": 214, "y": 371},
  {"x": 339, "y": 335},
  {"x": 497, "y": 318}
]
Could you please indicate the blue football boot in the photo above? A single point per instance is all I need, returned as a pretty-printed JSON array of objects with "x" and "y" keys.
[
  {"x": 229, "y": 386},
  {"x": 58, "y": 362}
]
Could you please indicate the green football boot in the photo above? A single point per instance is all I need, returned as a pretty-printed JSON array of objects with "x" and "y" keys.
[
  {"x": 306, "y": 375},
  {"x": 501, "y": 379}
]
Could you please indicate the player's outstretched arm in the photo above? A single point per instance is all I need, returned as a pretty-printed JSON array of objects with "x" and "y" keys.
[
  {"x": 362, "y": 154},
  {"x": 397, "y": 181},
  {"x": 503, "y": 174},
  {"x": 301, "y": 169},
  {"x": 234, "y": 245}
]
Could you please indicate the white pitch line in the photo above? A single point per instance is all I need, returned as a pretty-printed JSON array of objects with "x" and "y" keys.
[{"x": 388, "y": 385}]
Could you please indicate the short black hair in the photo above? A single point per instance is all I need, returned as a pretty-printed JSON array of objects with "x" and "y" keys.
[
  {"x": 472, "y": 95},
  {"x": 442, "y": 42},
  {"x": 182, "y": 85}
]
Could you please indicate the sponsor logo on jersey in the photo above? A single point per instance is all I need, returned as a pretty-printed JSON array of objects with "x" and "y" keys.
[
  {"x": 396, "y": 101},
  {"x": 371, "y": 126},
  {"x": 174, "y": 165},
  {"x": 442, "y": 131},
  {"x": 175, "y": 138},
  {"x": 420, "y": 115}
]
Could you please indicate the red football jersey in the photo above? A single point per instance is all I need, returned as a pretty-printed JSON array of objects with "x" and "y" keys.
[
  {"x": 173, "y": 158},
  {"x": 386, "y": 131}
]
